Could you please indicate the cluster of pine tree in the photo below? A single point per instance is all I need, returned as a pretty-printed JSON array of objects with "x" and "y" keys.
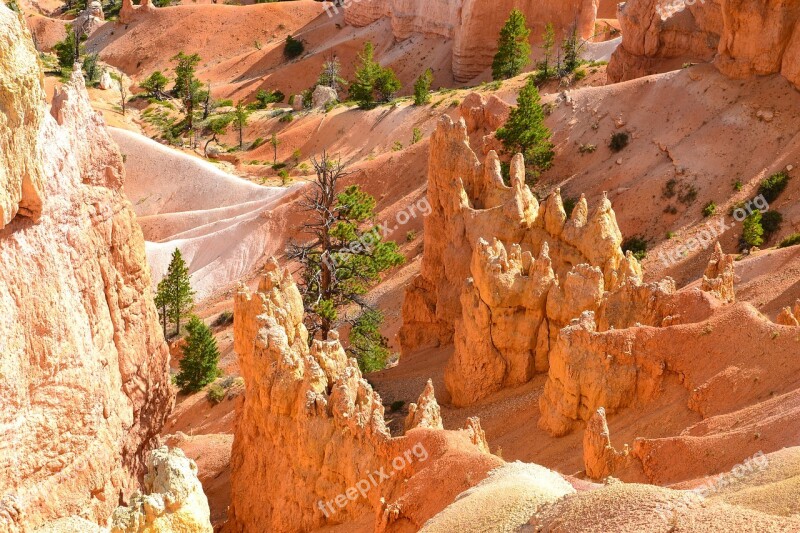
[{"x": 175, "y": 302}]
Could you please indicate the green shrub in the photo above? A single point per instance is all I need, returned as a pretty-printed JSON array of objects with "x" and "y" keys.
[
  {"x": 773, "y": 186},
  {"x": 710, "y": 209},
  {"x": 293, "y": 47},
  {"x": 258, "y": 142},
  {"x": 396, "y": 406},
  {"x": 771, "y": 221},
  {"x": 587, "y": 148},
  {"x": 216, "y": 393},
  {"x": 791, "y": 240},
  {"x": 753, "y": 230},
  {"x": 569, "y": 205},
  {"x": 288, "y": 117},
  {"x": 637, "y": 245},
  {"x": 411, "y": 236},
  {"x": 619, "y": 141}
]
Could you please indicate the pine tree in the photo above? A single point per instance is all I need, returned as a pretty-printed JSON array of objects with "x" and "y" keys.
[
  {"x": 155, "y": 84},
  {"x": 175, "y": 297},
  {"x": 572, "y": 50},
  {"x": 548, "y": 43},
  {"x": 526, "y": 131},
  {"x": 422, "y": 88},
  {"x": 513, "y": 49},
  {"x": 363, "y": 88},
  {"x": 241, "y": 116},
  {"x": 346, "y": 253},
  {"x": 370, "y": 348},
  {"x": 187, "y": 86},
  {"x": 386, "y": 84},
  {"x": 199, "y": 365}
]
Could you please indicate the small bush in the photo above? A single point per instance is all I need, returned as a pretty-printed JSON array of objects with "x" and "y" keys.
[
  {"x": 293, "y": 48},
  {"x": 284, "y": 175},
  {"x": 791, "y": 240},
  {"x": 288, "y": 117},
  {"x": 710, "y": 209},
  {"x": 258, "y": 142},
  {"x": 224, "y": 318},
  {"x": 773, "y": 186},
  {"x": 396, "y": 406},
  {"x": 397, "y": 147},
  {"x": 637, "y": 245},
  {"x": 569, "y": 205},
  {"x": 753, "y": 230},
  {"x": 771, "y": 221},
  {"x": 688, "y": 195},
  {"x": 411, "y": 236},
  {"x": 216, "y": 393},
  {"x": 587, "y": 148},
  {"x": 738, "y": 185},
  {"x": 225, "y": 103},
  {"x": 619, "y": 141},
  {"x": 669, "y": 189}
]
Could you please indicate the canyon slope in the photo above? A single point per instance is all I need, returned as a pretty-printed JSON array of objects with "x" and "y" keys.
[{"x": 587, "y": 348}]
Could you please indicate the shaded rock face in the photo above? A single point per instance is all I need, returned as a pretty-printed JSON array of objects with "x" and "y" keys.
[
  {"x": 310, "y": 431},
  {"x": 474, "y": 25},
  {"x": 173, "y": 500},
  {"x": 744, "y": 37},
  {"x": 85, "y": 384}
]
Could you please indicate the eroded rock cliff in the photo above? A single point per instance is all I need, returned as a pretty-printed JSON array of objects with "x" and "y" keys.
[
  {"x": 473, "y": 25},
  {"x": 311, "y": 447},
  {"x": 744, "y": 37},
  {"x": 505, "y": 307},
  {"x": 84, "y": 383}
]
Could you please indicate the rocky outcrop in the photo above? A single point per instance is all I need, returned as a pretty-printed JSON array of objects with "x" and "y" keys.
[
  {"x": 425, "y": 413},
  {"x": 789, "y": 316},
  {"x": 473, "y": 25},
  {"x": 659, "y": 36},
  {"x": 21, "y": 173},
  {"x": 85, "y": 384},
  {"x": 173, "y": 499},
  {"x": 720, "y": 276},
  {"x": 541, "y": 270},
  {"x": 129, "y": 11},
  {"x": 311, "y": 447},
  {"x": 323, "y": 96},
  {"x": 90, "y": 18},
  {"x": 600, "y": 459}
]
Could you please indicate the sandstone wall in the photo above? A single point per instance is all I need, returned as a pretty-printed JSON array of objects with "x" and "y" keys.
[
  {"x": 744, "y": 37},
  {"x": 21, "y": 172},
  {"x": 474, "y": 25},
  {"x": 310, "y": 432},
  {"x": 85, "y": 383}
]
